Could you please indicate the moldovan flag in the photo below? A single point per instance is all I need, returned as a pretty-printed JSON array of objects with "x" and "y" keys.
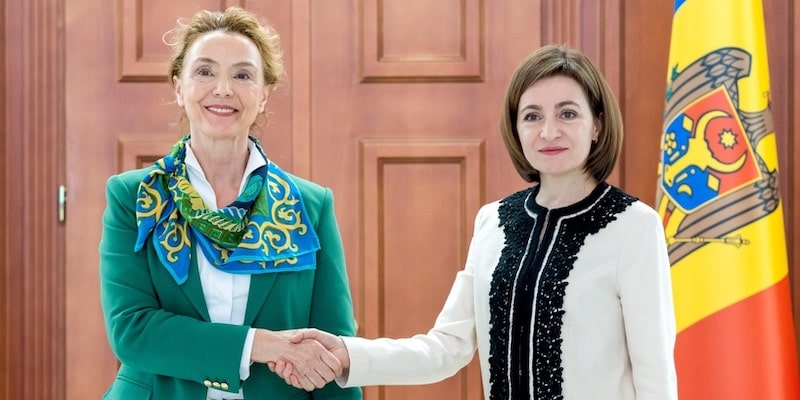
[{"x": 719, "y": 200}]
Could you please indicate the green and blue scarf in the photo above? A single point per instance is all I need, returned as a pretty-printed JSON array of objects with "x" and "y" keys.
[{"x": 266, "y": 229}]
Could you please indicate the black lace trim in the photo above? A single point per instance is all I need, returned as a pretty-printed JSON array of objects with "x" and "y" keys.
[
  {"x": 516, "y": 224},
  {"x": 537, "y": 291}
]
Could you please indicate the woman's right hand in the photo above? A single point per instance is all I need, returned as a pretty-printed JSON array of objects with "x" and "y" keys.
[
  {"x": 313, "y": 365},
  {"x": 332, "y": 344}
]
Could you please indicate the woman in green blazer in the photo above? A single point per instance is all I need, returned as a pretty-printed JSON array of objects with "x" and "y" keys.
[{"x": 208, "y": 255}]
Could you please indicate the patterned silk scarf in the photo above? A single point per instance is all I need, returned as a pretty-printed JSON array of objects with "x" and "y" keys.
[{"x": 266, "y": 229}]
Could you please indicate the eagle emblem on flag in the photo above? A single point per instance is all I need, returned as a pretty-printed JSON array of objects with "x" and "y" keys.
[{"x": 709, "y": 158}]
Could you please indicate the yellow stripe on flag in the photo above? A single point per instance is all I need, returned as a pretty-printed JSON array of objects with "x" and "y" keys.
[
  {"x": 726, "y": 23},
  {"x": 712, "y": 279}
]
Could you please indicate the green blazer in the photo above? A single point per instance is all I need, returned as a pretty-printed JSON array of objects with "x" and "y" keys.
[{"x": 161, "y": 333}]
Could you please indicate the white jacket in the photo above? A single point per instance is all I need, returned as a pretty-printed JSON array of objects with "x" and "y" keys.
[{"x": 617, "y": 330}]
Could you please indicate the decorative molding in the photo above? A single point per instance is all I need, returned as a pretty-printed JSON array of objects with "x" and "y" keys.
[
  {"x": 460, "y": 60},
  {"x": 138, "y": 151},
  {"x": 375, "y": 156},
  {"x": 34, "y": 340},
  {"x": 389, "y": 166},
  {"x": 561, "y": 22},
  {"x": 301, "y": 88},
  {"x": 594, "y": 27},
  {"x": 135, "y": 64},
  {"x": 791, "y": 194},
  {"x": 6, "y": 297}
]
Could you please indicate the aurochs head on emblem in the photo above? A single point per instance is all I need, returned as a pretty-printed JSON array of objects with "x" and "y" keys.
[{"x": 706, "y": 153}]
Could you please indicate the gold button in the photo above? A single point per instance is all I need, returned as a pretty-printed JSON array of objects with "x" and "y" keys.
[
  {"x": 223, "y": 386},
  {"x": 215, "y": 385},
  {"x": 207, "y": 383}
]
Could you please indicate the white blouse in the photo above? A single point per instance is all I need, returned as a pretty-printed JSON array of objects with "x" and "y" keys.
[{"x": 225, "y": 293}]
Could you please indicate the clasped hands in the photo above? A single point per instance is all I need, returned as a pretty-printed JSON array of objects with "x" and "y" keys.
[{"x": 305, "y": 358}]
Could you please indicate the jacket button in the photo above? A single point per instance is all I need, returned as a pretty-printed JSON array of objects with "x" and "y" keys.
[
  {"x": 207, "y": 383},
  {"x": 216, "y": 385},
  {"x": 223, "y": 386}
]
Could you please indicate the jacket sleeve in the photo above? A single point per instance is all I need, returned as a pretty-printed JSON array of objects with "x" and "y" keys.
[
  {"x": 648, "y": 311},
  {"x": 424, "y": 358},
  {"x": 142, "y": 334},
  {"x": 331, "y": 304}
]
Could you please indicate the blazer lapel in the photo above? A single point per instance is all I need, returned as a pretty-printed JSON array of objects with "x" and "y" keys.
[
  {"x": 260, "y": 286},
  {"x": 193, "y": 289}
]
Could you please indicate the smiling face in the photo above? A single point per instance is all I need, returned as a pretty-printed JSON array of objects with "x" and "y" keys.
[
  {"x": 221, "y": 86},
  {"x": 556, "y": 127}
]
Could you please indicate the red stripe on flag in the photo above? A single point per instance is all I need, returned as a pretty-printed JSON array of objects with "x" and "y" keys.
[{"x": 745, "y": 351}]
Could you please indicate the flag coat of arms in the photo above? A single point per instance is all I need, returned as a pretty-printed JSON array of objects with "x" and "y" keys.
[{"x": 720, "y": 203}]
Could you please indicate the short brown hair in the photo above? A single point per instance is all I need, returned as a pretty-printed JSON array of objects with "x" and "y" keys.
[
  {"x": 558, "y": 60},
  {"x": 233, "y": 20}
]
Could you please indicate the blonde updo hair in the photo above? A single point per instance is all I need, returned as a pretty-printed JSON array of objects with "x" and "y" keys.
[{"x": 232, "y": 20}]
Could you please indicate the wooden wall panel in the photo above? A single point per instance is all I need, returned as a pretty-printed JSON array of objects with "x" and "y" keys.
[
  {"x": 601, "y": 29},
  {"x": 415, "y": 190},
  {"x": 646, "y": 51},
  {"x": 139, "y": 151},
  {"x": 6, "y": 310},
  {"x": 793, "y": 162},
  {"x": 778, "y": 26},
  {"x": 594, "y": 26},
  {"x": 784, "y": 87},
  {"x": 561, "y": 22},
  {"x": 299, "y": 52},
  {"x": 141, "y": 52},
  {"x": 33, "y": 252},
  {"x": 434, "y": 41}
]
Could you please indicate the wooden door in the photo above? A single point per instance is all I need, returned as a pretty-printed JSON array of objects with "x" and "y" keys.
[
  {"x": 405, "y": 105},
  {"x": 120, "y": 114},
  {"x": 393, "y": 104}
]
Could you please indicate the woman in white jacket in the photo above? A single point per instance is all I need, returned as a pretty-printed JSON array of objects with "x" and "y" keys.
[{"x": 566, "y": 291}]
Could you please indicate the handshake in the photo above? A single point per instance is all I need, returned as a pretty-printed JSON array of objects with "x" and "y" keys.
[{"x": 305, "y": 358}]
